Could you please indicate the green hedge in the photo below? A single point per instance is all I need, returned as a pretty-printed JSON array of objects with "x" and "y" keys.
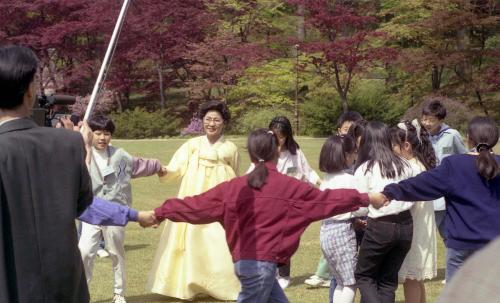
[{"x": 141, "y": 124}]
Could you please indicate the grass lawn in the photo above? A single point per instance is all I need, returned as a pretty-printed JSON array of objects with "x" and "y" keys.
[{"x": 140, "y": 244}]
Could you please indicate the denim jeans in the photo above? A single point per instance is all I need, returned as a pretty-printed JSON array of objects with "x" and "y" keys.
[
  {"x": 383, "y": 250},
  {"x": 440, "y": 215},
  {"x": 455, "y": 258},
  {"x": 258, "y": 282}
]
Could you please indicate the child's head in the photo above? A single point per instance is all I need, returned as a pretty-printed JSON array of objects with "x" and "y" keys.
[
  {"x": 356, "y": 130},
  {"x": 338, "y": 153},
  {"x": 282, "y": 127},
  {"x": 410, "y": 139},
  {"x": 482, "y": 135},
  {"x": 376, "y": 147},
  {"x": 346, "y": 120},
  {"x": 103, "y": 128},
  {"x": 433, "y": 114},
  {"x": 262, "y": 145}
]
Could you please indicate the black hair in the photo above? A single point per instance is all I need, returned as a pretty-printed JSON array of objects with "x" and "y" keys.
[
  {"x": 483, "y": 134},
  {"x": 419, "y": 140},
  {"x": 332, "y": 158},
  {"x": 434, "y": 108},
  {"x": 376, "y": 148},
  {"x": 102, "y": 123},
  {"x": 282, "y": 125},
  {"x": 18, "y": 66},
  {"x": 348, "y": 116},
  {"x": 262, "y": 145},
  {"x": 357, "y": 129},
  {"x": 218, "y": 106}
]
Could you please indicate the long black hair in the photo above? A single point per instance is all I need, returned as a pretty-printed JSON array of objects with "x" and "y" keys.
[
  {"x": 332, "y": 158},
  {"x": 483, "y": 134},
  {"x": 282, "y": 125},
  {"x": 376, "y": 148},
  {"x": 262, "y": 145},
  {"x": 413, "y": 133}
]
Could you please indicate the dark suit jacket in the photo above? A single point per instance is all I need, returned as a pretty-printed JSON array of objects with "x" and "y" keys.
[{"x": 44, "y": 186}]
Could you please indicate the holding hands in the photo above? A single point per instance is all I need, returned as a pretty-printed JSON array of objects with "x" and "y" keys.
[
  {"x": 147, "y": 219},
  {"x": 378, "y": 200}
]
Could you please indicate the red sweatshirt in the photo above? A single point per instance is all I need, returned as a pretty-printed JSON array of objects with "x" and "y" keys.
[{"x": 262, "y": 224}]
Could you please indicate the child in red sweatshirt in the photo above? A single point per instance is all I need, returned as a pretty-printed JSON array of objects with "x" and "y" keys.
[{"x": 264, "y": 214}]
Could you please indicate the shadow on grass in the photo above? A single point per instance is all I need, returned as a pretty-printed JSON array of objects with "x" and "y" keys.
[
  {"x": 158, "y": 298},
  {"x": 440, "y": 275},
  {"x": 135, "y": 247},
  {"x": 299, "y": 280}
]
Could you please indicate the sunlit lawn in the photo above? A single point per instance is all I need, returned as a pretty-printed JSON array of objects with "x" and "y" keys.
[{"x": 141, "y": 244}]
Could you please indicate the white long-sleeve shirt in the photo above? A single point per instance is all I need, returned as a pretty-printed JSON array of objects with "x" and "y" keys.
[
  {"x": 342, "y": 180},
  {"x": 372, "y": 181},
  {"x": 294, "y": 166}
]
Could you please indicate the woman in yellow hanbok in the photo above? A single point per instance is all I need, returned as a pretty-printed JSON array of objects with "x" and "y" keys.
[{"x": 194, "y": 260}]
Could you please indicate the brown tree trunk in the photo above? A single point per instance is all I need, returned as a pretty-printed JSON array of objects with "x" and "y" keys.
[
  {"x": 343, "y": 100},
  {"x": 160, "y": 80}
]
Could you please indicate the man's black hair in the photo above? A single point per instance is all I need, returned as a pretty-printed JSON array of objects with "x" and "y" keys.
[
  {"x": 434, "y": 108},
  {"x": 18, "y": 66}
]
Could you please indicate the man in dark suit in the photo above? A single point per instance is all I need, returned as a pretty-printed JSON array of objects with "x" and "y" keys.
[{"x": 44, "y": 186}]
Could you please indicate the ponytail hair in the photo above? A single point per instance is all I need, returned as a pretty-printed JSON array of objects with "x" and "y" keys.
[
  {"x": 262, "y": 145},
  {"x": 483, "y": 134},
  {"x": 413, "y": 133}
]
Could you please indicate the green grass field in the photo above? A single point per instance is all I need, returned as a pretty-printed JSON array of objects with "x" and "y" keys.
[{"x": 141, "y": 244}]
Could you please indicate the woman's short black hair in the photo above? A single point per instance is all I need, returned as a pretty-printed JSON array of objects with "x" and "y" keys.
[
  {"x": 18, "y": 66},
  {"x": 218, "y": 106},
  {"x": 332, "y": 158},
  {"x": 102, "y": 123},
  {"x": 282, "y": 125},
  {"x": 434, "y": 108}
]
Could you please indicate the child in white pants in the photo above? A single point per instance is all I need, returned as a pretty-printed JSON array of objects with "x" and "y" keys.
[{"x": 111, "y": 170}]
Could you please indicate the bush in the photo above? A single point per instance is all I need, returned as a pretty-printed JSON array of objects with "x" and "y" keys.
[
  {"x": 257, "y": 118},
  {"x": 320, "y": 113},
  {"x": 368, "y": 97},
  {"x": 141, "y": 124}
]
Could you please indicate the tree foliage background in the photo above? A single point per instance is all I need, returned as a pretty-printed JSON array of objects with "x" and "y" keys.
[{"x": 264, "y": 57}]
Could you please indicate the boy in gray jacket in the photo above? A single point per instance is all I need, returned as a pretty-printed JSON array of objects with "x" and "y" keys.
[
  {"x": 111, "y": 170},
  {"x": 445, "y": 141}
]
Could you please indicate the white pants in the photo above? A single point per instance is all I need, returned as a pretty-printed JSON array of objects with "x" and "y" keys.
[{"x": 114, "y": 238}]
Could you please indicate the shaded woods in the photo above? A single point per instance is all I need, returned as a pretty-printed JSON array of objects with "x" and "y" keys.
[{"x": 265, "y": 56}]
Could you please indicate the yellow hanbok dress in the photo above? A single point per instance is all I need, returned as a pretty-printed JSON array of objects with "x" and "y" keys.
[{"x": 194, "y": 260}]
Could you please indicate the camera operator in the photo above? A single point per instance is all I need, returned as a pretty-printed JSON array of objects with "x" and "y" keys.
[{"x": 39, "y": 197}]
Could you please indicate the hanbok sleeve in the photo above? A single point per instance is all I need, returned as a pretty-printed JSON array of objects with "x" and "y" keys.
[
  {"x": 235, "y": 162},
  {"x": 178, "y": 165}
]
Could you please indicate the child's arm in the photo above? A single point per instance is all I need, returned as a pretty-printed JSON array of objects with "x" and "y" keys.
[
  {"x": 427, "y": 186},
  {"x": 103, "y": 212},
  {"x": 143, "y": 167},
  {"x": 316, "y": 204},
  {"x": 201, "y": 209},
  {"x": 458, "y": 144}
]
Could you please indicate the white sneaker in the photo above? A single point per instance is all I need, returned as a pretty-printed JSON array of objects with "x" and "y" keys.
[
  {"x": 317, "y": 281},
  {"x": 443, "y": 282},
  {"x": 284, "y": 282},
  {"x": 119, "y": 299},
  {"x": 102, "y": 253}
]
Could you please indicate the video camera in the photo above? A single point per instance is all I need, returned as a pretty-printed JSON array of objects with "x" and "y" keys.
[{"x": 43, "y": 109}]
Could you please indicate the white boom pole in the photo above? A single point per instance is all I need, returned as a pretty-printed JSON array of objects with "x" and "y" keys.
[{"x": 106, "y": 60}]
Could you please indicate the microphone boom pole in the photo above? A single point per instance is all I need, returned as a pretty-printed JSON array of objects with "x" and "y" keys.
[{"x": 107, "y": 59}]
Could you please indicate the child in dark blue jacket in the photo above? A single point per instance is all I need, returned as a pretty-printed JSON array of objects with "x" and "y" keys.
[{"x": 471, "y": 185}]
